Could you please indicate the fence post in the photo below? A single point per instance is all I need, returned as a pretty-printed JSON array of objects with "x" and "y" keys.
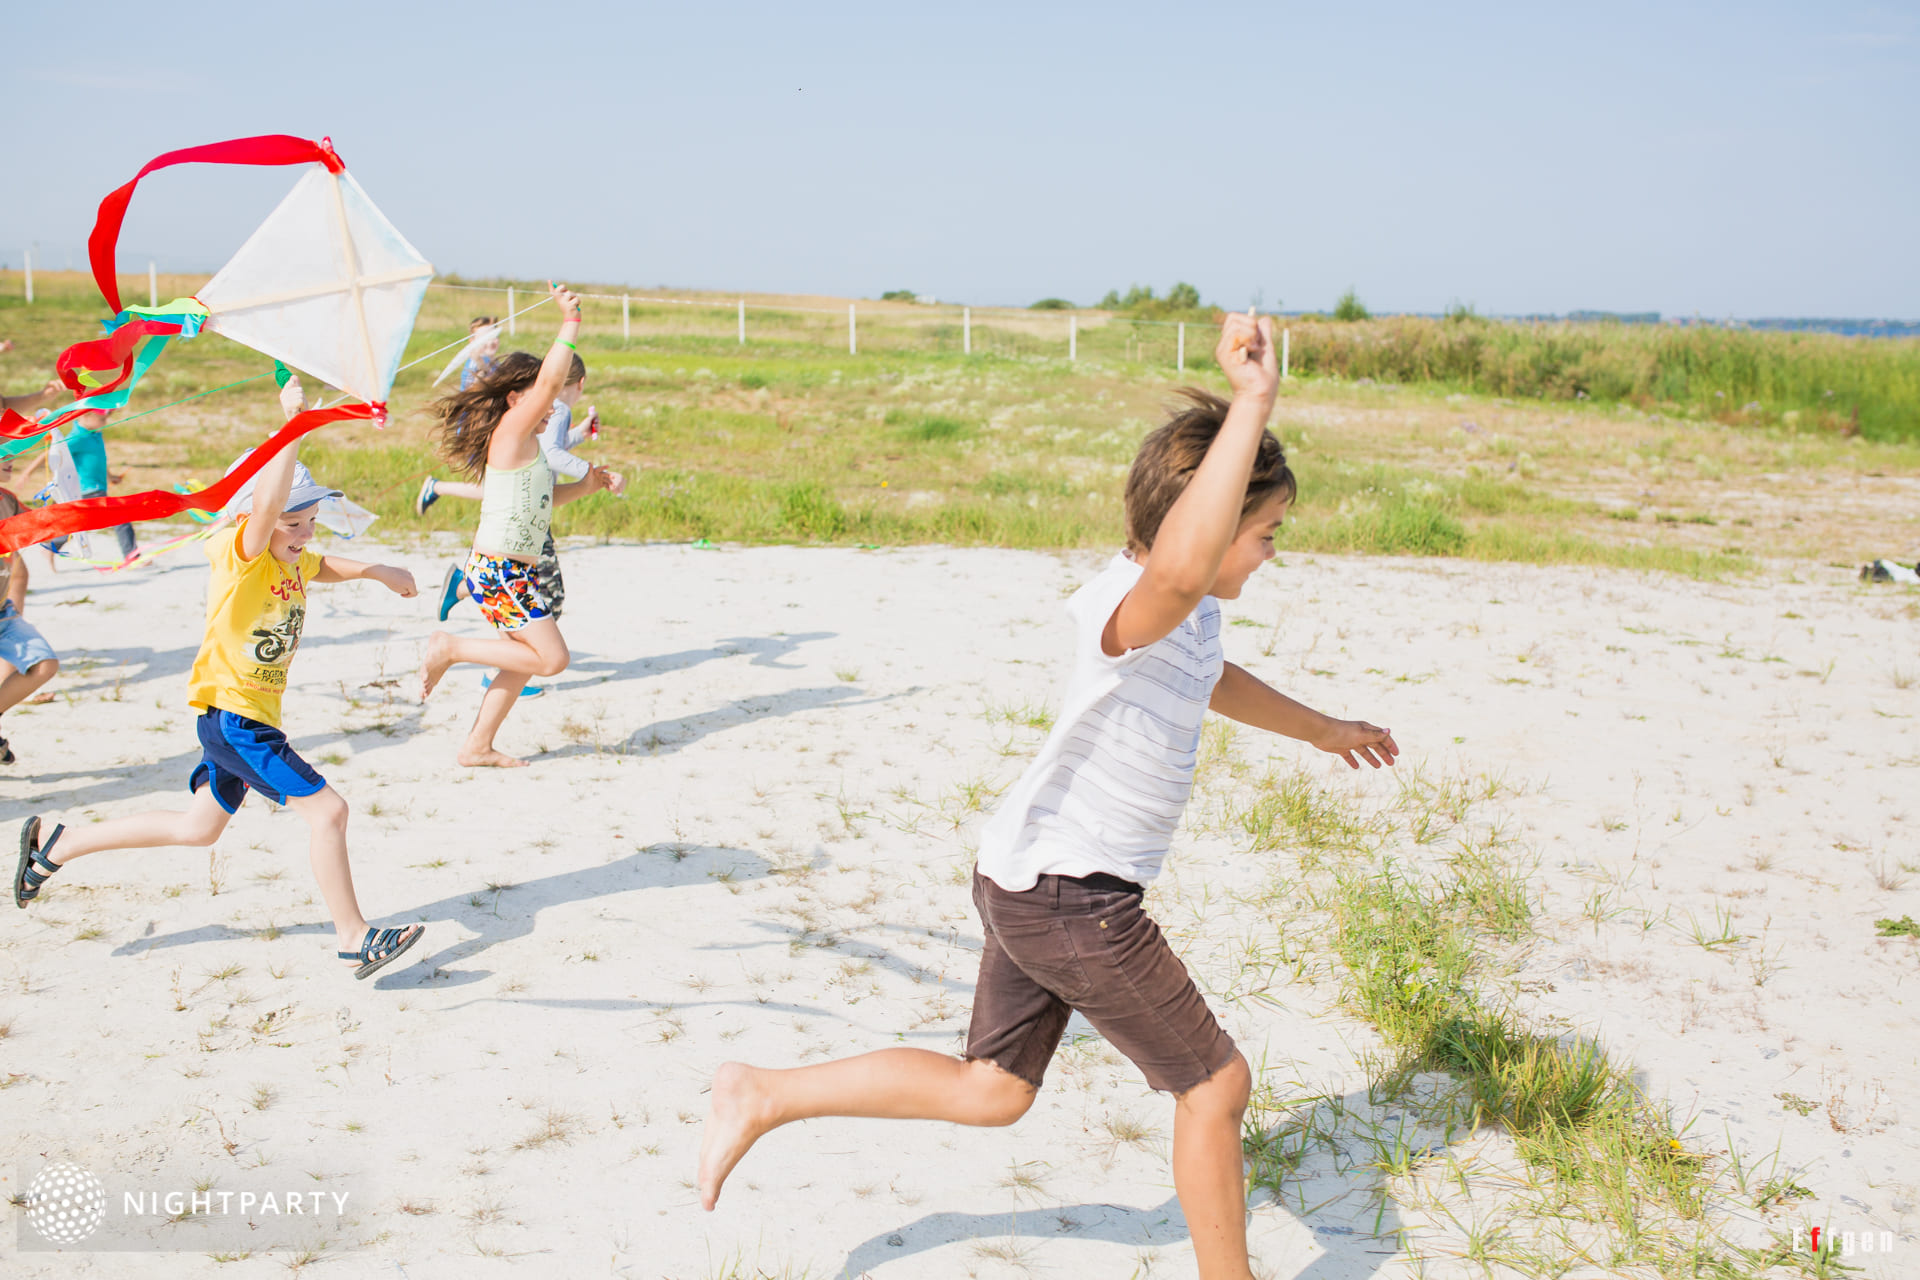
[
  {"x": 743, "y": 322},
  {"x": 1180, "y": 349},
  {"x": 626, "y": 317},
  {"x": 27, "y": 257},
  {"x": 509, "y": 310},
  {"x": 1286, "y": 341},
  {"x": 966, "y": 331},
  {"x": 853, "y": 347},
  {"x": 1073, "y": 337},
  {"x": 153, "y": 285}
]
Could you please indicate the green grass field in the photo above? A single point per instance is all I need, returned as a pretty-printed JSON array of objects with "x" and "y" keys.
[{"x": 791, "y": 438}]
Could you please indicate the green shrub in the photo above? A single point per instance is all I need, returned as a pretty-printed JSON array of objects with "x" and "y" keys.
[
  {"x": 937, "y": 429},
  {"x": 810, "y": 511},
  {"x": 1139, "y": 302},
  {"x": 1350, "y": 308},
  {"x": 1400, "y": 525},
  {"x": 1738, "y": 377},
  {"x": 1052, "y": 304}
]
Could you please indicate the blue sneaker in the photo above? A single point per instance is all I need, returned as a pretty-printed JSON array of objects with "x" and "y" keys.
[
  {"x": 526, "y": 691},
  {"x": 450, "y": 590},
  {"x": 426, "y": 497}
]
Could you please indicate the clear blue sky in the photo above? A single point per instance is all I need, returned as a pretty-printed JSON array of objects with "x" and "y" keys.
[{"x": 1729, "y": 159}]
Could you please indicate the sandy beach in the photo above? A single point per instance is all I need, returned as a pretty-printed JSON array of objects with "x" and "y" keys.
[{"x": 746, "y": 834}]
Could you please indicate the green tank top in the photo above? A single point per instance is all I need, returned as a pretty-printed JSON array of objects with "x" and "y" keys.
[{"x": 516, "y": 510}]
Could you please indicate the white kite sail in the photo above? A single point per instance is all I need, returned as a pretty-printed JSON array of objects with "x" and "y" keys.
[{"x": 326, "y": 285}]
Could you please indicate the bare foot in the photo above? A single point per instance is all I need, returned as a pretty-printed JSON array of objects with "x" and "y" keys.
[
  {"x": 736, "y": 1118},
  {"x": 489, "y": 759},
  {"x": 439, "y": 658}
]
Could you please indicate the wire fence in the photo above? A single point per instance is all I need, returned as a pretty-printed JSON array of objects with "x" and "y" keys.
[
  {"x": 747, "y": 321},
  {"x": 790, "y": 323}
]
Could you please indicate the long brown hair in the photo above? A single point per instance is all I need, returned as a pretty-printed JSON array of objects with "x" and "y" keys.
[
  {"x": 468, "y": 418},
  {"x": 1170, "y": 455}
]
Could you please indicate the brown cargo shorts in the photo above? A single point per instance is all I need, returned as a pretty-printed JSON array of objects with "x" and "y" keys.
[{"x": 1083, "y": 943}]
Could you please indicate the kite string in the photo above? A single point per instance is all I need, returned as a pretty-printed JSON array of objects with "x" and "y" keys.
[
  {"x": 256, "y": 377},
  {"x": 469, "y": 338},
  {"x": 183, "y": 399},
  {"x": 457, "y": 342}
]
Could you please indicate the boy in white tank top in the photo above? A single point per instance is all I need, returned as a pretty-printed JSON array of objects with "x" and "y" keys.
[{"x": 1064, "y": 862}]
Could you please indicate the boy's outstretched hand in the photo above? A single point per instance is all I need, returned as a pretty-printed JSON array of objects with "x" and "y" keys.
[
  {"x": 1356, "y": 738},
  {"x": 394, "y": 579},
  {"x": 1246, "y": 354}
]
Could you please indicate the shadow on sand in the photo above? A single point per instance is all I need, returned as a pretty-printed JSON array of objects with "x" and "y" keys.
[
  {"x": 1351, "y": 1243},
  {"x": 592, "y": 669},
  {"x": 510, "y": 911}
]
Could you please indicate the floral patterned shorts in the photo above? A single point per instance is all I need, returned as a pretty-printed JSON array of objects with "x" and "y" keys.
[{"x": 510, "y": 593}]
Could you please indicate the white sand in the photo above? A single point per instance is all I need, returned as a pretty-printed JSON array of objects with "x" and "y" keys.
[{"x": 741, "y": 843}]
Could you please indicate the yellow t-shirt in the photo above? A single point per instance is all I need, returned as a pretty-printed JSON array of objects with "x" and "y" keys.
[{"x": 254, "y": 611}]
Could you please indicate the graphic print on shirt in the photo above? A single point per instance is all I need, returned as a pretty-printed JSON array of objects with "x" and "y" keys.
[
  {"x": 532, "y": 528},
  {"x": 277, "y": 641},
  {"x": 268, "y": 645}
]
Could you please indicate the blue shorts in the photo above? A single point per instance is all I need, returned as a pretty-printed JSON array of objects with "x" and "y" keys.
[
  {"x": 238, "y": 755},
  {"x": 21, "y": 647}
]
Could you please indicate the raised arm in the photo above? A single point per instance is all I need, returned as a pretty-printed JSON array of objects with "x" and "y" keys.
[
  {"x": 1193, "y": 538},
  {"x": 274, "y": 481},
  {"x": 521, "y": 424},
  {"x": 27, "y": 403},
  {"x": 1241, "y": 695},
  {"x": 557, "y": 439}
]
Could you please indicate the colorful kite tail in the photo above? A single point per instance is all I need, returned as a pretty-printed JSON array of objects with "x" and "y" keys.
[{"x": 88, "y": 514}]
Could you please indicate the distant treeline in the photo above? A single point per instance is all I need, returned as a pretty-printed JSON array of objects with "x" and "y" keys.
[
  {"x": 1780, "y": 324},
  {"x": 1804, "y": 380}
]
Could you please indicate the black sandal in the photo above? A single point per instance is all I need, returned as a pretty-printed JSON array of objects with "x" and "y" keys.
[
  {"x": 381, "y": 947},
  {"x": 27, "y": 874}
]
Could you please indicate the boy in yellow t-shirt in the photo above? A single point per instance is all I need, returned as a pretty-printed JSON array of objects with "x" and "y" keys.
[{"x": 256, "y": 603}]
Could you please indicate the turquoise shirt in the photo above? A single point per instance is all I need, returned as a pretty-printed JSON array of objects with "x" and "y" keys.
[{"x": 89, "y": 458}]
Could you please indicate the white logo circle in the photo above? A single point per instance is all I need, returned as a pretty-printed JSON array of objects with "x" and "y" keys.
[{"x": 65, "y": 1203}]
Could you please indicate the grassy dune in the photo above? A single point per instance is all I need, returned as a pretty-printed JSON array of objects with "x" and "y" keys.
[
  {"x": 1864, "y": 386},
  {"x": 791, "y": 438}
]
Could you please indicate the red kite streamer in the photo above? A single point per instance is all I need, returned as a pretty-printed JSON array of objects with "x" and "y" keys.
[
  {"x": 30, "y": 527},
  {"x": 267, "y": 149},
  {"x": 102, "y": 354}
]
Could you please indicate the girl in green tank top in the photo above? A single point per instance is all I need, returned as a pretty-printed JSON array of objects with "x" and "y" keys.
[{"x": 490, "y": 432}]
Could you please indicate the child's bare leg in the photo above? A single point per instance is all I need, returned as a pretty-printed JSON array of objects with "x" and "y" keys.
[
  {"x": 1209, "y": 1172},
  {"x": 892, "y": 1084},
  {"x": 198, "y": 827},
  {"x": 537, "y": 649},
  {"x": 499, "y": 699},
  {"x": 20, "y": 684},
  {"x": 457, "y": 489},
  {"x": 325, "y": 814}
]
